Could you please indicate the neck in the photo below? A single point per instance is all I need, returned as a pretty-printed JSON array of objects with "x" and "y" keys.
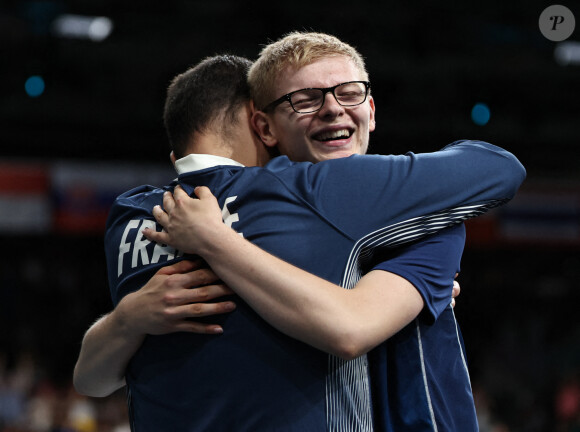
[
  {"x": 212, "y": 144},
  {"x": 246, "y": 149},
  {"x": 239, "y": 143}
]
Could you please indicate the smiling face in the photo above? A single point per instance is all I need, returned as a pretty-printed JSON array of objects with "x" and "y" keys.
[{"x": 332, "y": 132}]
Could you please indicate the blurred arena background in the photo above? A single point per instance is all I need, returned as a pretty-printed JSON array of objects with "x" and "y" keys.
[{"x": 82, "y": 85}]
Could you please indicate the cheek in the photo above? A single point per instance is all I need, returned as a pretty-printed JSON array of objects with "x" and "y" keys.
[
  {"x": 301, "y": 124},
  {"x": 363, "y": 149},
  {"x": 366, "y": 118},
  {"x": 298, "y": 132}
]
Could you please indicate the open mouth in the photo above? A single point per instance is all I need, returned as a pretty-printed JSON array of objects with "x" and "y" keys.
[{"x": 335, "y": 135}]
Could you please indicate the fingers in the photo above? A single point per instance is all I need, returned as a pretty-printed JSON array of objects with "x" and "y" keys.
[
  {"x": 202, "y": 293},
  {"x": 162, "y": 218},
  {"x": 456, "y": 289},
  {"x": 193, "y": 287},
  {"x": 181, "y": 267},
  {"x": 156, "y": 236},
  {"x": 178, "y": 192},
  {"x": 198, "y": 310},
  {"x": 160, "y": 215},
  {"x": 199, "y": 328},
  {"x": 210, "y": 292},
  {"x": 168, "y": 201},
  {"x": 180, "y": 315},
  {"x": 184, "y": 316},
  {"x": 455, "y": 292},
  {"x": 197, "y": 278},
  {"x": 203, "y": 192}
]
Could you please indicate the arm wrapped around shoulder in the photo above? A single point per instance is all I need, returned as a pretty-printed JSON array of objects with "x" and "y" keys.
[{"x": 499, "y": 167}]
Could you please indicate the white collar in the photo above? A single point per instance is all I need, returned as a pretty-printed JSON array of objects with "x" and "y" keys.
[{"x": 196, "y": 162}]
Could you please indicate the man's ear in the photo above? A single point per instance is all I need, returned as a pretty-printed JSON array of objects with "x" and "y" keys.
[
  {"x": 372, "y": 122},
  {"x": 261, "y": 124}
]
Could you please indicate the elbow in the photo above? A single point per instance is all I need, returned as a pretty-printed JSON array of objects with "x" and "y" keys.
[
  {"x": 518, "y": 171},
  {"x": 508, "y": 174},
  {"x": 85, "y": 390},
  {"x": 522, "y": 173},
  {"x": 349, "y": 354},
  {"x": 348, "y": 339},
  {"x": 505, "y": 167},
  {"x": 82, "y": 388},
  {"x": 517, "y": 177},
  {"x": 349, "y": 346},
  {"x": 86, "y": 387},
  {"x": 78, "y": 383}
]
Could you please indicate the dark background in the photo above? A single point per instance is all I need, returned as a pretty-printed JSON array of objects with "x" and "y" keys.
[{"x": 429, "y": 63}]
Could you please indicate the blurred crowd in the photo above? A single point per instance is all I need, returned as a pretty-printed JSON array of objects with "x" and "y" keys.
[{"x": 29, "y": 402}]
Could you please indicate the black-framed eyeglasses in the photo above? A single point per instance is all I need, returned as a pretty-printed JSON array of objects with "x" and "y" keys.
[{"x": 310, "y": 100}]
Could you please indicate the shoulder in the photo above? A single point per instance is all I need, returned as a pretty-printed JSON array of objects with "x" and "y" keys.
[
  {"x": 137, "y": 202},
  {"x": 282, "y": 162},
  {"x": 140, "y": 194}
]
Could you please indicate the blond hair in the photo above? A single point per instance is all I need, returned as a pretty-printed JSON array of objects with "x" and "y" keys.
[{"x": 296, "y": 49}]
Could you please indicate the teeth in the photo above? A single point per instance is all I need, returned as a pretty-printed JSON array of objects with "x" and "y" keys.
[{"x": 325, "y": 136}]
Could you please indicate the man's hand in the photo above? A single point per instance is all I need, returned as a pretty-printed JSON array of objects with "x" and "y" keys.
[
  {"x": 455, "y": 291},
  {"x": 166, "y": 304},
  {"x": 189, "y": 224},
  {"x": 171, "y": 298}
]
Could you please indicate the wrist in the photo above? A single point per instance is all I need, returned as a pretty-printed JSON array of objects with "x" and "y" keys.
[
  {"x": 121, "y": 320},
  {"x": 217, "y": 239}
]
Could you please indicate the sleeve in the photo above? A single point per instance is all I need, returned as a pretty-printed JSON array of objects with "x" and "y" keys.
[
  {"x": 131, "y": 258},
  {"x": 361, "y": 194},
  {"x": 430, "y": 265}
]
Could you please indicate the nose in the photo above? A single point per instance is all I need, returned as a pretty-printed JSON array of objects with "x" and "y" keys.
[{"x": 330, "y": 107}]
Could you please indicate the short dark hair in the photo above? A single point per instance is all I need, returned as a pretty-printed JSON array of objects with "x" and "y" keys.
[{"x": 206, "y": 96}]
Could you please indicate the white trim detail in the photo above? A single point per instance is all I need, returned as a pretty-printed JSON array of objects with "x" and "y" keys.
[{"x": 348, "y": 399}]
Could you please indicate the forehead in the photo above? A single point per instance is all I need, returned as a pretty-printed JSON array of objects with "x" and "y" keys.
[{"x": 325, "y": 72}]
